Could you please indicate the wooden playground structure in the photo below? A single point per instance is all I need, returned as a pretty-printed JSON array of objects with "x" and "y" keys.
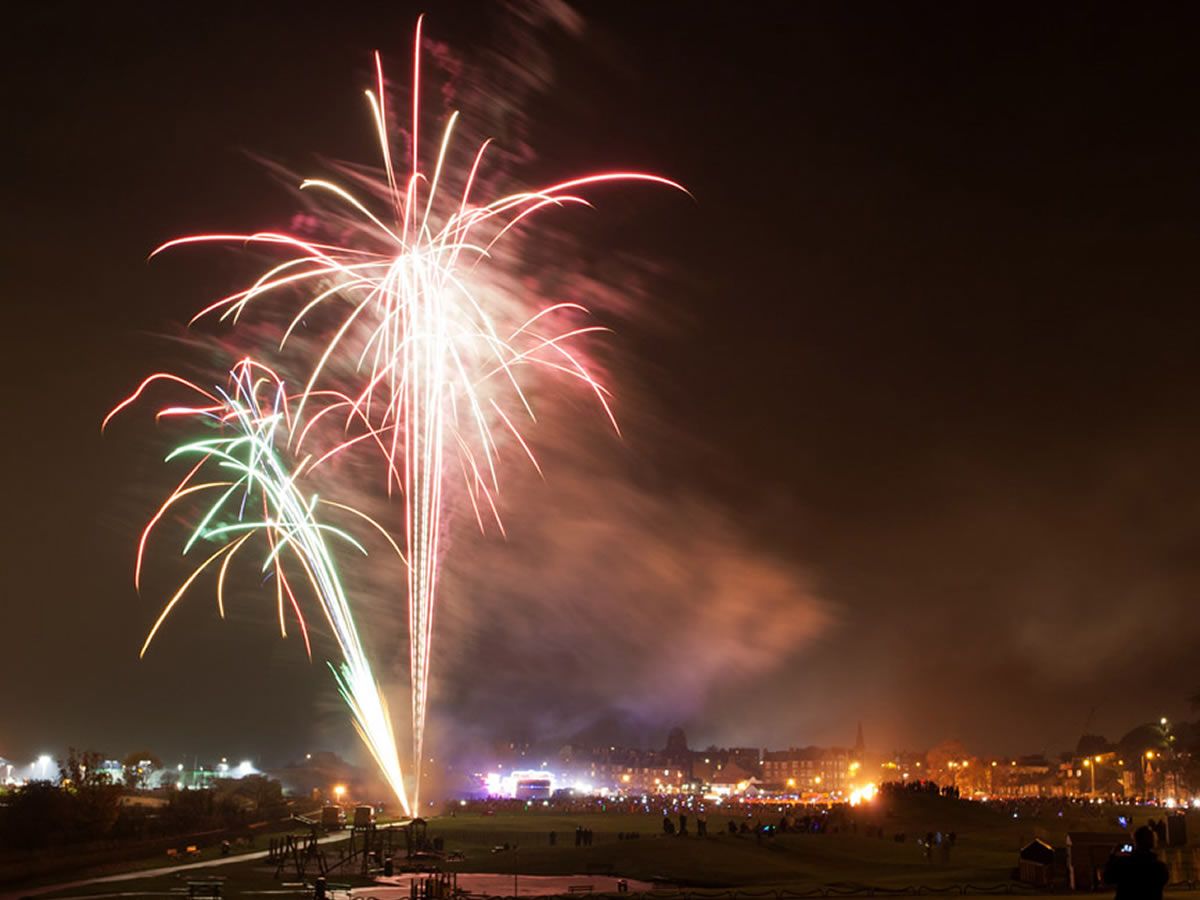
[{"x": 368, "y": 849}]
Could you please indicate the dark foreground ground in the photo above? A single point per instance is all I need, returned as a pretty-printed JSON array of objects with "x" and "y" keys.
[{"x": 982, "y": 860}]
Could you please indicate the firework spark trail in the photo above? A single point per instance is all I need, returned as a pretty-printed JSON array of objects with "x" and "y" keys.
[
  {"x": 259, "y": 495},
  {"x": 435, "y": 367}
]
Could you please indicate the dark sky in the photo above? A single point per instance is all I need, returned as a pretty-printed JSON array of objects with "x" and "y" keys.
[{"x": 925, "y": 343}]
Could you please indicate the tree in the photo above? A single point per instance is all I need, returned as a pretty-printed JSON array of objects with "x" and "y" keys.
[
  {"x": 82, "y": 769},
  {"x": 137, "y": 767},
  {"x": 84, "y": 807},
  {"x": 188, "y": 810},
  {"x": 34, "y": 814},
  {"x": 265, "y": 793},
  {"x": 95, "y": 799}
]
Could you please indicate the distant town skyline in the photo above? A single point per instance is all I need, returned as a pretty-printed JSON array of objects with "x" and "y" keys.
[{"x": 1153, "y": 762}]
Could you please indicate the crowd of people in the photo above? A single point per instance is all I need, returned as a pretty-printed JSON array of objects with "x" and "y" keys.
[
  {"x": 689, "y": 817},
  {"x": 919, "y": 786}
]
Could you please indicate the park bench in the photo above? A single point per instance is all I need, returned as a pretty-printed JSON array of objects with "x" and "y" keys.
[
  {"x": 580, "y": 888},
  {"x": 206, "y": 888}
]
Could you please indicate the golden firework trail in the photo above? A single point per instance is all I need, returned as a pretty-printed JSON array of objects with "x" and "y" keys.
[{"x": 243, "y": 463}]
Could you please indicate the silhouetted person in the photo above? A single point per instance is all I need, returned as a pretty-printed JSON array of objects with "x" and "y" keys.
[{"x": 1139, "y": 875}]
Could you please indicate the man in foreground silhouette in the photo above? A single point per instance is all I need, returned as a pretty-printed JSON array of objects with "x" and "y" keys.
[{"x": 1137, "y": 875}]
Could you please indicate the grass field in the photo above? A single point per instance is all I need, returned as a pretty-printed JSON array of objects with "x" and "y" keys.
[{"x": 985, "y": 853}]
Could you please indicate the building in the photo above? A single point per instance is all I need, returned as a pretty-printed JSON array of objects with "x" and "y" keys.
[
  {"x": 1087, "y": 853},
  {"x": 677, "y": 751},
  {"x": 1035, "y": 863},
  {"x": 815, "y": 770},
  {"x": 533, "y": 787},
  {"x": 795, "y": 769},
  {"x": 730, "y": 778},
  {"x": 1025, "y": 776},
  {"x": 903, "y": 766}
]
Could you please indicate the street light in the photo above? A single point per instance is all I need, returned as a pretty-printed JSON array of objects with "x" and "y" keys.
[{"x": 1146, "y": 769}]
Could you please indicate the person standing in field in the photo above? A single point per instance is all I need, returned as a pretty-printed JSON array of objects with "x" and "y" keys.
[{"x": 1139, "y": 875}]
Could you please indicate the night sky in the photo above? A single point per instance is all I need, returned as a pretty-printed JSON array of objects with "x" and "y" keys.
[{"x": 910, "y": 388}]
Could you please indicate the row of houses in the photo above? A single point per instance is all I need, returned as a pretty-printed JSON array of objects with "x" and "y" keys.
[
  {"x": 1151, "y": 761},
  {"x": 719, "y": 770}
]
